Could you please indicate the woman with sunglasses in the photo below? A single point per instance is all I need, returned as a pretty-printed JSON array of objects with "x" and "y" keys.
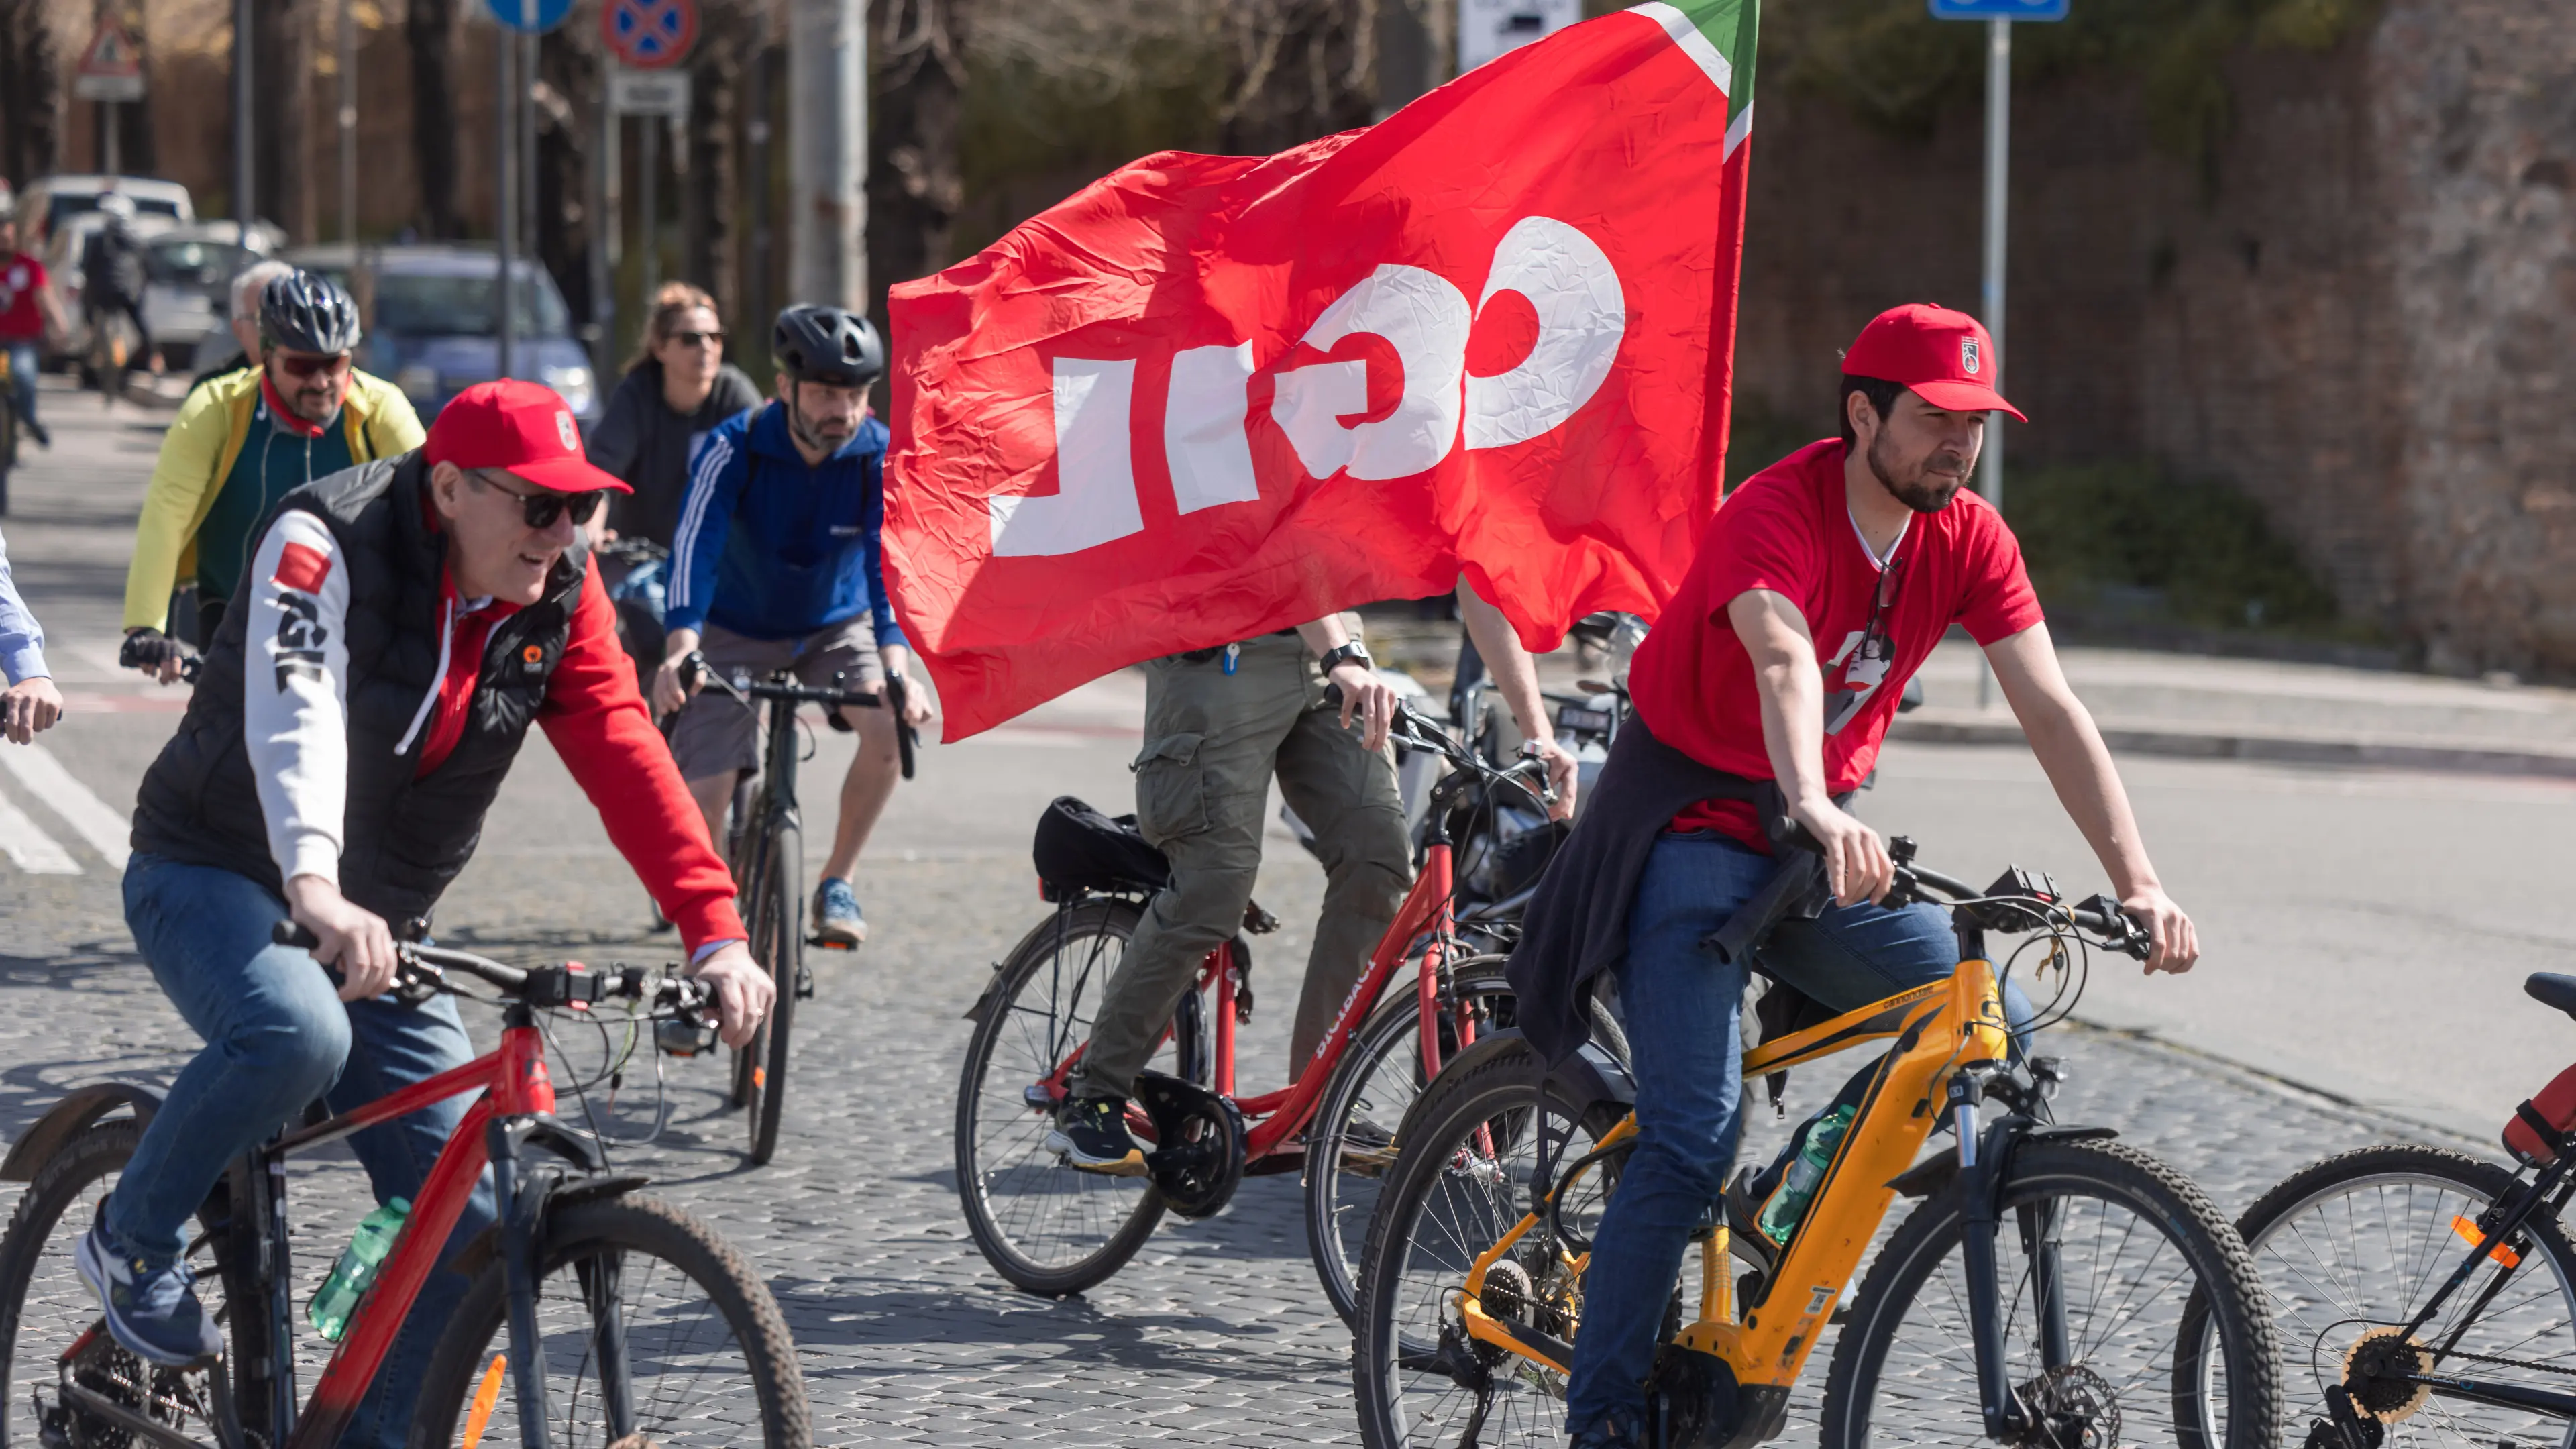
[
  {"x": 676, "y": 388},
  {"x": 241, "y": 442}
]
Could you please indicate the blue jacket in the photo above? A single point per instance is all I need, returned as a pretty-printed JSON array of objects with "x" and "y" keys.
[{"x": 773, "y": 549}]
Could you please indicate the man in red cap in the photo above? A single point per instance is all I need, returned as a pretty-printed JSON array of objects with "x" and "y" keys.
[
  {"x": 402, "y": 624},
  {"x": 1762, "y": 695}
]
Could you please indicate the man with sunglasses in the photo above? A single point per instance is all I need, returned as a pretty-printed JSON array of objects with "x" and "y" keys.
[
  {"x": 241, "y": 442},
  {"x": 401, "y": 626},
  {"x": 1762, "y": 695}
]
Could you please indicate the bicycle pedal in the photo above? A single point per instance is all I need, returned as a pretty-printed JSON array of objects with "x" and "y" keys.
[{"x": 804, "y": 984}]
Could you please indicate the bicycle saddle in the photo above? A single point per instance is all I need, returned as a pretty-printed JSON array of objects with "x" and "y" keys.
[{"x": 2551, "y": 989}]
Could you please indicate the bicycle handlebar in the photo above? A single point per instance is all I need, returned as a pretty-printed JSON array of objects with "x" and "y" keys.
[
  {"x": 786, "y": 690},
  {"x": 423, "y": 974},
  {"x": 1411, "y": 726}
]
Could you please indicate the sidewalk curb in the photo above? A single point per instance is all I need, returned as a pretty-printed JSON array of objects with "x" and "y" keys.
[
  {"x": 2379, "y": 1116},
  {"x": 2160, "y": 737}
]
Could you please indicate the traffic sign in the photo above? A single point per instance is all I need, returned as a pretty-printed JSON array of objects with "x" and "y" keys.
[
  {"x": 1488, "y": 28},
  {"x": 536, "y": 16},
  {"x": 649, "y": 93},
  {"x": 649, "y": 34},
  {"x": 1998, "y": 9},
  {"x": 112, "y": 68}
]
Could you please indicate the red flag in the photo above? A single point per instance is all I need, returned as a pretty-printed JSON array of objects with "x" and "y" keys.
[{"x": 1210, "y": 396}]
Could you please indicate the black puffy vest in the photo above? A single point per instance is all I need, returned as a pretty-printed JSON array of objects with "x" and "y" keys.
[{"x": 403, "y": 838}]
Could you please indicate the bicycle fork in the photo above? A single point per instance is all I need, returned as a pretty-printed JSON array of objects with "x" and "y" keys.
[
  {"x": 1984, "y": 1153},
  {"x": 521, "y": 1197}
]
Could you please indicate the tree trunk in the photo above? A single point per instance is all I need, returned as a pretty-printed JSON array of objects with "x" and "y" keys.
[
  {"x": 429, "y": 27},
  {"x": 134, "y": 148},
  {"x": 30, "y": 93},
  {"x": 914, "y": 183},
  {"x": 709, "y": 253},
  {"x": 282, "y": 50},
  {"x": 564, "y": 132},
  {"x": 1298, "y": 69}
]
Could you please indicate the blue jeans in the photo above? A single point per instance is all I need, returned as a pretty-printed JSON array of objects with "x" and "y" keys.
[
  {"x": 277, "y": 1037},
  {"x": 1682, "y": 1005},
  {"x": 22, "y": 377}
]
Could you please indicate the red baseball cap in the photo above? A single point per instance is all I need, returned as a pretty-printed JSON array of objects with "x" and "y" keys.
[
  {"x": 521, "y": 426},
  {"x": 1943, "y": 355}
]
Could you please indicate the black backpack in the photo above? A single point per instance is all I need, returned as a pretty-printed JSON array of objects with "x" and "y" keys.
[{"x": 1078, "y": 849}]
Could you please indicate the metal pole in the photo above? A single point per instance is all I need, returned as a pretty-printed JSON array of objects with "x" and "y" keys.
[
  {"x": 349, "y": 121},
  {"x": 243, "y": 209},
  {"x": 1990, "y": 467},
  {"x": 603, "y": 236},
  {"x": 648, "y": 205},
  {"x": 107, "y": 159},
  {"x": 505, "y": 226},
  {"x": 827, "y": 152},
  {"x": 532, "y": 230}
]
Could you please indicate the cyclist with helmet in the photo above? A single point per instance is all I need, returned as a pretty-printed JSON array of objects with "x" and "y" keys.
[
  {"x": 242, "y": 441},
  {"x": 778, "y": 562}
]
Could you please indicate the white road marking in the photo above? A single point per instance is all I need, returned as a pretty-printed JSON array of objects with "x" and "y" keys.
[
  {"x": 30, "y": 849},
  {"x": 105, "y": 829}
]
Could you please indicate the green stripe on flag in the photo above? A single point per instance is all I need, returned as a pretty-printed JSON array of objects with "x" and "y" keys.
[{"x": 1720, "y": 35}]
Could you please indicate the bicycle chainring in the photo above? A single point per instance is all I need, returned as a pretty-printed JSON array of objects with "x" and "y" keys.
[
  {"x": 2071, "y": 1407},
  {"x": 1694, "y": 1398},
  {"x": 1197, "y": 1160},
  {"x": 2378, "y": 1371}
]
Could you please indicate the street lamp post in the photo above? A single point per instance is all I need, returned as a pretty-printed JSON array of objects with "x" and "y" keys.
[{"x": 827, "y": 100}]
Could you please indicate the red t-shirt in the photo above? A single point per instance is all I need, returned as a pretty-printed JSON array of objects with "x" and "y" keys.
[
  {"x": 20, "y": 275},
  {"x": 1789, "y": 529}
]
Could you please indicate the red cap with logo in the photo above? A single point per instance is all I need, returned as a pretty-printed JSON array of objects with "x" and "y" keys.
[
  {"x": 523, "y": 427},
  {"x": 1944, "y": 356}
]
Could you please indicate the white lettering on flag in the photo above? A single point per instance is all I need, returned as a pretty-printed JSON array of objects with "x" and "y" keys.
[
  {"x": 1582, "y": 315},
  {"x": 1426, "y": 320},
  {"x": 1203, "y": 433},
  {"x": 1095, "y": 497}
]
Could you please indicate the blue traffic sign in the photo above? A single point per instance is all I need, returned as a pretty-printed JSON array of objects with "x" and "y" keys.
[
  {"x": 1998, "y": 9},
  {"x": 531, "y": 15}
]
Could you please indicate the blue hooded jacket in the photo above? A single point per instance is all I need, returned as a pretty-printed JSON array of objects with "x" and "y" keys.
[{"x": 772, "y": 549}]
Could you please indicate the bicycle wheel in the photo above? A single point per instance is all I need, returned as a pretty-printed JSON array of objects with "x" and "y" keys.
[
  {"x": 1045, "y": 1226},
  {"x": 2360, "y": 1242},
  {"x": 748, "y": 861},
  {"x": 1466, "y": 1174},
  {"x": 1350, "y": 1142},
  {"x": 705, "y": 1352},
  {"x": 2138, "y": 1248},
  {"x": 53, "y": 1347},
  {"x": 779, "y": 947}
]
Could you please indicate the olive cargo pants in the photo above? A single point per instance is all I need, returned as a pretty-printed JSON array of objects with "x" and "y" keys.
[{"x": 1212, "y": 742}]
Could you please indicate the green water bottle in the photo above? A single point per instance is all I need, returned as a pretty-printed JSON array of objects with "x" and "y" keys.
[
  {"x": 350, "y": 1278},
  {"x": 1798, "y": 1185}
]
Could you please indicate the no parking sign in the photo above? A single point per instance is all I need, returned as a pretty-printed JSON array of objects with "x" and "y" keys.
[{"x": 649, "y": 34}]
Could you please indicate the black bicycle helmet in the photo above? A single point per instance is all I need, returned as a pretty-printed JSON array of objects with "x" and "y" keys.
[
  {"x": 827, "y": 345},
  {"x": 303, "y": 312}
]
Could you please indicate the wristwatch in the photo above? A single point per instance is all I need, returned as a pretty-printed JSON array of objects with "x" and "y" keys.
[{"x": 1354, "y": 652}]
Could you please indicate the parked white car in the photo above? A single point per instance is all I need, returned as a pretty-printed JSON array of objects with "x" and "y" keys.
[{"x": 188, "y": 288}]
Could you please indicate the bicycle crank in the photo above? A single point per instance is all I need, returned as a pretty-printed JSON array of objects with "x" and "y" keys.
[{"x": 1197, "y": 1161}]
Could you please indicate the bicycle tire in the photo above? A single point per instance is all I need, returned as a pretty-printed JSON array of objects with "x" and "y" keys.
[
  {"x": 743, "y": 860},
  {"x": 784, "y": 905},
  {"x": 38, "y": 1242},
  {"x": 581, "y": 1233},
  {"x": 2300, "y": 1215},
  {"x": 1390, "y": 1362},
  {"x": 1116, "y": 1215},
  {"x": 1358, "y": 1107},
  {"x": 2149, "y": 1194}
]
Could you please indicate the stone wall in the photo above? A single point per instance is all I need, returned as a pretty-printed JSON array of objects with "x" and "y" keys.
[{"x": 2363, "y": 311}]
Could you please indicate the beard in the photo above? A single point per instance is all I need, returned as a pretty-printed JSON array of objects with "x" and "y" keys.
[
  {"x": 824, "y": 434},
  {"x": 1919, "y": 488}
]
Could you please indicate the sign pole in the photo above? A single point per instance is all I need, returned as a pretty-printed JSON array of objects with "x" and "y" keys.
[
  {"x": 349, "y": 122},
  {"x": 1990, "y": 466},
  {"x": 243, "y": 210},
  {"x": 505, "y": 226}
]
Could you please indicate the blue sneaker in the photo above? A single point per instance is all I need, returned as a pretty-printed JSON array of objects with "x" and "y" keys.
[
  {"x": 837, "y": 921},
  {"x": 152, "y": 1312}
]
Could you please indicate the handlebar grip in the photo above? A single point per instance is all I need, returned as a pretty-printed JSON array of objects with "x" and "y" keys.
[
  {"x": 288, "y": 933},
  {"x": 905, "y": 738},
  {"x": 693, "y": 669}
]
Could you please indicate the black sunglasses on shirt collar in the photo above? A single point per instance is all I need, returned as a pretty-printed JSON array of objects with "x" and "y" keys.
[{"x": 544, "y": 506}]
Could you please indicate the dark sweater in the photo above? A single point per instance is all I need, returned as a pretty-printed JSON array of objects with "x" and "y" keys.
[{"x": 646, "y": 444}]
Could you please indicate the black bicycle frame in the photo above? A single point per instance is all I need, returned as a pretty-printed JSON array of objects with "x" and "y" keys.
[{"x": 2496, "y": 1228}]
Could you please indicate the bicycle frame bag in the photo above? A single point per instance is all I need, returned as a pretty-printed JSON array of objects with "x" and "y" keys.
[
  {"x": 2538, "y": 1131},
  {"x": 1078, "y": 849}
]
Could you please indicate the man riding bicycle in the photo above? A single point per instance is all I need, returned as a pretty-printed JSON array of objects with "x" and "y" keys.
[
  {"x": 779, "y": 563},
  {"x": 242, "y": 441},
  {"x": 112, "y": 274},
  {"x": 29, "y": 313},
  {"x": 404, "y": 622},
  {"x": 1761, "y": 699}
]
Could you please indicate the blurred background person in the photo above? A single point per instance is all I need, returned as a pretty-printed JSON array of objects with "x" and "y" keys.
[{"x": 676, "y": 388}]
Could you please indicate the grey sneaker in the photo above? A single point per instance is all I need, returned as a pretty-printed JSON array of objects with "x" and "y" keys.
[
  {"x": 837, "y": 921},
  {"x": 1091, "y": 1133},
  {"x": 152, "y": 1312}
]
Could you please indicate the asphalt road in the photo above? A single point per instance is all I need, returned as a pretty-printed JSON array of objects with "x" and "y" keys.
[{"x": 2366, "y": 934}]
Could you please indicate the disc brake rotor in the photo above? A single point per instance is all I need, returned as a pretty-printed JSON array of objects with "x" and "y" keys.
[{"x": 2072, "y": 1408}]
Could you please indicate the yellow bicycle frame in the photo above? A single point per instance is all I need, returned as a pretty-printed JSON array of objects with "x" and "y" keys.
[{"x": 1940, "y": 1028}]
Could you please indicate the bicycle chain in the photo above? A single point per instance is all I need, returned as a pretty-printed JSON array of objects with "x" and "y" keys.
[{"x": 2545, "y": 1368}]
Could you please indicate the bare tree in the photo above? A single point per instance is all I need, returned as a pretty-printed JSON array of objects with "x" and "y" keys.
[
  {"x": 30, "y": 92},
  {"x": 429, "y": 26},
  {"x": 727, "y": 33},
  {"x": 1299, "y": 69},
  {"x": 914, "y": 183},
  {"x": 566, "y": 66}
]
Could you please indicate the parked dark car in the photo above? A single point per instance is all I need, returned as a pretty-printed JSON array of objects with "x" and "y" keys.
[{"x": 429, "y": 319}]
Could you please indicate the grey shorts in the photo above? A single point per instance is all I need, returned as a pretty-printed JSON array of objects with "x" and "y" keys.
[{"x": 717, "y": 735}]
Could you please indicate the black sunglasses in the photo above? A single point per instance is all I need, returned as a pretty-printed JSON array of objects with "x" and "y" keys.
[
  {"x": 542, "y": 508},
  {"x": 698, "y": 339}
]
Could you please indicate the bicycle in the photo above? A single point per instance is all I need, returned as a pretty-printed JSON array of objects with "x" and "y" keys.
[
  {"x": 1052, "y": 1229},
  {"x": 112, "y": 345},
  {"x": 1473, "y": 1275},
  {"x": 765, "y": 852},
  {"x": 601, "y": 1286},
  {"x": 2429, "y": 1296}
]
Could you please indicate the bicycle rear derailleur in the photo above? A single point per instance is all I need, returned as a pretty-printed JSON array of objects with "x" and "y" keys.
[{"x": 1197, "y": 1161}]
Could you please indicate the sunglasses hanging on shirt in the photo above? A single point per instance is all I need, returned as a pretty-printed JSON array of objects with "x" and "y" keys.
[{"x": 1870, "y": 661}]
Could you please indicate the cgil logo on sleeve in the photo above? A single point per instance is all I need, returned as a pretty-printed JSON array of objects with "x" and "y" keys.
[{"x": 301, "y": 566}]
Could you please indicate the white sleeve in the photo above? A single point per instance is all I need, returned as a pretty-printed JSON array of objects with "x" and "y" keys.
[{"x": 295, "y": 693}]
